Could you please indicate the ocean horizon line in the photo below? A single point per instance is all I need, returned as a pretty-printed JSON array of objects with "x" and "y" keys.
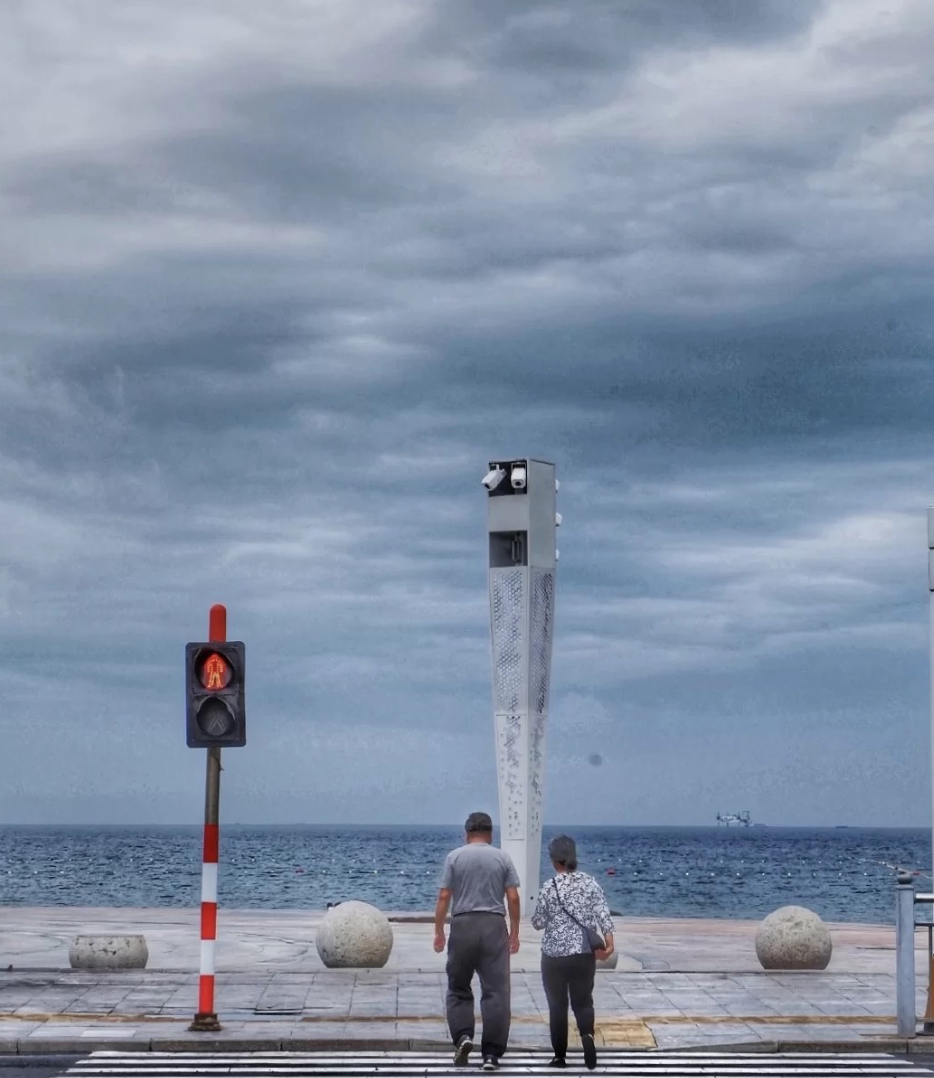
[{"x": 384, "y": 826}]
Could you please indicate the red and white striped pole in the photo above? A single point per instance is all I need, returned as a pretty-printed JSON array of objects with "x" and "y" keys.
[{"x": 206, "y": 1018}]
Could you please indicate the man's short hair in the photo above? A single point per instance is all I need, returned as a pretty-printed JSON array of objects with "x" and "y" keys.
[{"x": 479, "y": 822}]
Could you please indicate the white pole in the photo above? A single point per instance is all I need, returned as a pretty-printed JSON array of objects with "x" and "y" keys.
[
  {"x": 521, "y": 522},
  {"x": 931, "y": 664},
  {"x": 905, "y": 956},
  {"x": 929, "y": 1007}
]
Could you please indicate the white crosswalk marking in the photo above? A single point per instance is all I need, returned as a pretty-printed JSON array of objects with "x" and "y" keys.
[{"x": 431, "y": 1064}]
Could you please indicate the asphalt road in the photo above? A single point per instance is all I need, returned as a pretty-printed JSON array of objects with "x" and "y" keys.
[{"x": 34, "y": 1066}]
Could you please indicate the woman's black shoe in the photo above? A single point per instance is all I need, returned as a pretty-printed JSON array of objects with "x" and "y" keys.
[
  {"x": 590, "y": 1051},
  {"x": 558, "y": 1061}
]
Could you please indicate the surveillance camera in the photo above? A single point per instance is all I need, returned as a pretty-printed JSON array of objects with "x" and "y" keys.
[
  {"x": 558, "y": 519},
  {"x": 518, "y": 477},
  {"x": 493, "y": 478},
  {"x": 557, "y": 484},
  {"x": 557, "y": 554}
]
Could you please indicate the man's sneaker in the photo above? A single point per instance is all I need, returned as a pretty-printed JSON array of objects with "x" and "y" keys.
[
  {"x": 462, "y": 1051},
  {"x": 590, "y": 1051},
  {"x": 558, "y": 1061},
  {"x": 490, "y": 1063}
]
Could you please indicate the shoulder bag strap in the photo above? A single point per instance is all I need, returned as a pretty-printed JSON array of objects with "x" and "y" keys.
[{"x": 566, "y": 910}]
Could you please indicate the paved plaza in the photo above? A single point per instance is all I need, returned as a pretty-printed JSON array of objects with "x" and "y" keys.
[{"x": 679, "y": 984}]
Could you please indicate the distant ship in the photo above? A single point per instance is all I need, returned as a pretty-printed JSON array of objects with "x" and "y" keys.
[{"x": 741, "y": 819}]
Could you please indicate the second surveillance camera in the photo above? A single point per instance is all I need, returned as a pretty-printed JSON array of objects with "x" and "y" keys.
[
  {"x": 493, "y": 477},
  {"x": 517, "y": 478}
]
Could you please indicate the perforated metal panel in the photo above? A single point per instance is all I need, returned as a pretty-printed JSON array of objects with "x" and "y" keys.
[
  {"x": 537, "y": 725},
  {"x": 541, "y": 629},
  {"x": 508, "y": 606},
  {"x": 511, "y": 766}
]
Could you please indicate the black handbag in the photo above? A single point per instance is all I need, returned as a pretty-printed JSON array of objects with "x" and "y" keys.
[{"x": 595, "y": 941}]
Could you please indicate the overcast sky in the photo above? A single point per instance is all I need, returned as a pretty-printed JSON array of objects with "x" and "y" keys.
[{"x": 279, "y": 280}]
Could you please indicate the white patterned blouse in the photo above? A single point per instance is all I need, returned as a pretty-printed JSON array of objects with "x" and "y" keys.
[{"x": 582, "y": 896}]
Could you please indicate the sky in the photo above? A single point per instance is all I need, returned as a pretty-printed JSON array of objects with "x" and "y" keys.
[{"x": 277, "y": 282}]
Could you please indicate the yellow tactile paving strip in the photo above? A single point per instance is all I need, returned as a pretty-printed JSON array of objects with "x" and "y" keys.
[
  {"x": 772, "y": 1019},
  {"x": 659, "y": 1019},
  {"x": 41, "y": 1017},
  {"x": 619, "y": 1033},
  {"x": 611, "y": 1032}
]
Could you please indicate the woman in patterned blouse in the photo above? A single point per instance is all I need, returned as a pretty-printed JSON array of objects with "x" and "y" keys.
[{"x": 566, "y": 903}]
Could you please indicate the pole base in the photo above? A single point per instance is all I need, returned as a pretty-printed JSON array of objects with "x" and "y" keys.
[{"x": 205, "y": 1023}]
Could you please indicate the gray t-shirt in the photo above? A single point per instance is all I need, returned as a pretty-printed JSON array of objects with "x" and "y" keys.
[{"x": 478, "y": 874}]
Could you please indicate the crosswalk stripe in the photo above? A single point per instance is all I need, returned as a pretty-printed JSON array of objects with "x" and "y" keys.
[{"x": 430, "y": 1064}]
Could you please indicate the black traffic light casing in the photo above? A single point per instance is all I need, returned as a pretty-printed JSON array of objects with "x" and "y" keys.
[{"x": 215, "y": 677}]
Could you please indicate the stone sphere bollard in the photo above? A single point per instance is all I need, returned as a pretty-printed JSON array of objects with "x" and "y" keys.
[
  {"x": 793, "y": 938},
  {"x": 108, "y": 952},
  {"x": 354, "y": 935}
]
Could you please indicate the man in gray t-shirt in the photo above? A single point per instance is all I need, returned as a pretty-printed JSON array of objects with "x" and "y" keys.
[{"x": 478, "y": 881}]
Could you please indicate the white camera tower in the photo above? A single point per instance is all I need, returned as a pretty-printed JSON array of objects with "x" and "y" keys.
[{"x": 521, "y": 522}]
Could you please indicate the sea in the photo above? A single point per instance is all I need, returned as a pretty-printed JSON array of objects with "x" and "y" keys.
[{"x": 843, "y": 874}]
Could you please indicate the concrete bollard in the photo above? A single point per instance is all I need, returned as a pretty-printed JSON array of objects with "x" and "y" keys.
[
  {"x": 108, "y": 952},
  {"x": 793, "y": 937},
  {"x": 354, "y": 935}
]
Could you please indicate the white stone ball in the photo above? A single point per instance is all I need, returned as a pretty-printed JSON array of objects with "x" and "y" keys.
[
  {"x": 793, "y": 938},
  {"x": 108, "y": 952},
  {"x": 354, "y": 935}
]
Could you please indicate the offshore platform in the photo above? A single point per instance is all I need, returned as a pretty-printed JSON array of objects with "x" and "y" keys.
[{"x": 734, "y": 819}]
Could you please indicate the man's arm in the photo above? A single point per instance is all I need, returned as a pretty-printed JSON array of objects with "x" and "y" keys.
[
  {"x": 512, "y": 904},
  {"x": 441, "y": 913},
  {"x": 511, "y": 887},
  {"x": 445, "y": 892}
]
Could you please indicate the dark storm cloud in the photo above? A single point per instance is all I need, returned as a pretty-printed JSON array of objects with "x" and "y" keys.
[
  {"x": 276, "y": 284},
  {"x": 601, "y": 37}
]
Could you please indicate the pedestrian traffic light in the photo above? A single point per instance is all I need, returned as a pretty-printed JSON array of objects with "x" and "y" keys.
[{"x": 214, "y": 691}]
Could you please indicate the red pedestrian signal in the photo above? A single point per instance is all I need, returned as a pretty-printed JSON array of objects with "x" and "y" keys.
[
  {"x": 215, "y": 695},
  {"x": 215, "y": 673}
]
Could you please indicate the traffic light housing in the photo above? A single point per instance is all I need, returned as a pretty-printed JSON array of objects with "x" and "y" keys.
[{"x": 214, "y": 693}]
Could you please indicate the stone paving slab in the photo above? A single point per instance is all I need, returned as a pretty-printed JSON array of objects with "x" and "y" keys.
[
  {"x": 638, "y": 1011},
  {"x": 679, "y": 984},
  {"x": 264, "y": 942}
]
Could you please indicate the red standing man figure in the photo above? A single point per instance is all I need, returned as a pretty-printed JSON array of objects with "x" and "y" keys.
[{"x": 212, "y": 676}]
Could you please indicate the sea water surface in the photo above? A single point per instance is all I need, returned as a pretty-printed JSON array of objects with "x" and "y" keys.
[{"x": 841, "y": 873}]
